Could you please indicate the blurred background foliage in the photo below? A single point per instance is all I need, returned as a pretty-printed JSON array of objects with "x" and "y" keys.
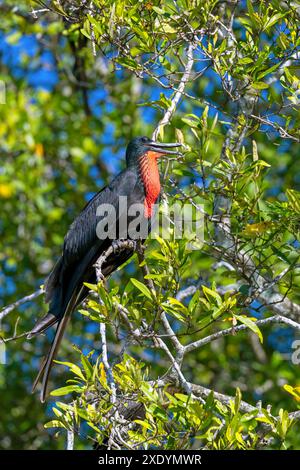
[{"x": 79, "y": 82}]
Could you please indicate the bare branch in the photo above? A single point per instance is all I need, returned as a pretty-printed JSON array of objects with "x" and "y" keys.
[
  {"x": 19, "y": 302},
  {"x": 231, "y": 331},
  {"x": 175, "y": 100},
  {"x": 282, "y": 132},
  {"x": 182, "y": 379},
  {"x": 93, "y": 38},
  {"x": 70, "y": 439}
]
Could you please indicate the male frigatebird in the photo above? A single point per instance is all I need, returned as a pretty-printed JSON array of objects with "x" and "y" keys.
[{"x": 64, "y": 288}]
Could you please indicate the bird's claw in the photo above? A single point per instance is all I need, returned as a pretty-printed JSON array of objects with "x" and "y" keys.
[{"x": 118, "y": 245}]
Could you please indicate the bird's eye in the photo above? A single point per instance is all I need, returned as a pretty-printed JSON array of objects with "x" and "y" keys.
[{"x": 144, "y": 139}]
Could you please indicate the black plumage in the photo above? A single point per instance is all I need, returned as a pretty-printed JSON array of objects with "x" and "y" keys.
[{"x": 64, "y": 289}]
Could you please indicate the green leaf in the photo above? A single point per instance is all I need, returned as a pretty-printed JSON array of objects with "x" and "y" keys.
[
  {"x": 54, "y": 424},
  {"x": 250, "y": 324},
  {"x": 177, "y": 303},
  {"x": 144, "y": 289},
  {"x": 172, "y": 310},
  {"x": 294, "y": 199},
  {"x": 250, "y": 8},
  {"x": 294, "y": 391},
  {"x": 127, "y": 62},
  {"x": 144, "y": 424},
  {"x": 66, "y": 390},
  {"x": 260, "y": 85},
  {"x": 92, "y": 287},
  {"x": 182, "y": 397},
  {"x": 274, "y": 19},
  {"x": 87, "y": 366},
  {"x": 92, "y": 425},
  {"x": 194, "y": 301},
  {"x": 73, "y": 367},
  {"x": 266, "y": 72},
  {"x": 237, "y": 400},
  {"x": 210, "y": 294},
  {"x": 245, "y": 60},
  {"x": 85, "y": 33}
]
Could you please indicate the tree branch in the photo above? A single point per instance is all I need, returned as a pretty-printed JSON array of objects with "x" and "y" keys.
[
  {"x": 166, "y": 119},
  {"x": 231, "y": 331},
  {"x": 5, "y": 311}
]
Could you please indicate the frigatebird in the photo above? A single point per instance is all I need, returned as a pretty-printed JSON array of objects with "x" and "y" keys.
[{"x": 64, "y": 288}]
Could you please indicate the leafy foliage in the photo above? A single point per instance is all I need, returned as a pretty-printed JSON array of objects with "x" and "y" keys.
[{"x": 172, "y": 420}]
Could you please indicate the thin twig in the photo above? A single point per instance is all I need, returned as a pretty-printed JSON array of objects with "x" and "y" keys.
[{"x": 19, "y": 302}]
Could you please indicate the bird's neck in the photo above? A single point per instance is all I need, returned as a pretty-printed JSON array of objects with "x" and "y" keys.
[{"x": 150, "y": 178}]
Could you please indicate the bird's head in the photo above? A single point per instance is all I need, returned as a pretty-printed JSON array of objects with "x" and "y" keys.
[{"x": 141, "y": 146}]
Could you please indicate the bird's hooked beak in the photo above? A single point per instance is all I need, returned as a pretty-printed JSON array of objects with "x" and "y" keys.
[{"x": 164, "y": 149}]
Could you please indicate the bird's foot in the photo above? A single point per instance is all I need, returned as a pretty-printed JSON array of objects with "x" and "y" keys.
[
  {"x": 120, "y": 245},
  {"x": 117, "y": 246}
]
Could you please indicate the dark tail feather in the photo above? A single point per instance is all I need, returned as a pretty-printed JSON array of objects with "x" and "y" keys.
[
  {"x": 61, "y": 310},
  {"x": 40, "y": 373},
  {"x": 47, "y": 365},
  {"x": 43, "y": 324},
  {"x": 48, "y": 361},
  {"x": 53, "y": 280}
]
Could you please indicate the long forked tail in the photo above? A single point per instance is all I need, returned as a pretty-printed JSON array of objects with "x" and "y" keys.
[
  {"x": 43, "y": 325},
  {"x": 48, "y": 360}
]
